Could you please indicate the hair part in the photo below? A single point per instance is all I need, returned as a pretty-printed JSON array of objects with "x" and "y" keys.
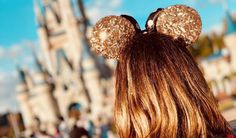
[{"x": 161, "y": 92}]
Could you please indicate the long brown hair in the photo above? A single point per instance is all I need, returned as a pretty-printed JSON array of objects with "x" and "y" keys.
[{"x": 160, "y": 92}]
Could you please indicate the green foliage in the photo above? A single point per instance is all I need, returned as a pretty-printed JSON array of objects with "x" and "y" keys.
[{"x": 207, "y": 45}]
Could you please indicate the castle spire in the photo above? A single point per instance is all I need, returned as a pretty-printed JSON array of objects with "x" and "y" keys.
[
  {"x": 22, "y": 74},
  {"x": 230, "y": 24},
  {"x": 25, "y": 77},
  {"x": 56, "y": 15},
  {"x": 39, "y": 15},
  {"x": 84, "y": 17},
  {"x": 38, "y": 63},
  {"x": 47, "y": 77}
]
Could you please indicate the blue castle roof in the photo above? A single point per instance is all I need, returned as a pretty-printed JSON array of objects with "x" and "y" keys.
[
  {"x": 214, "y": 56},
  {"x": 231, "y": 24}
]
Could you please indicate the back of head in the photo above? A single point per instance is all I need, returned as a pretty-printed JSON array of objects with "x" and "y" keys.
[{"x": 160, "y": 92}]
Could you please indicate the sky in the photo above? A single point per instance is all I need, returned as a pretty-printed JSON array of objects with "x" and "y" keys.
[{"x": 18, "y": 30}]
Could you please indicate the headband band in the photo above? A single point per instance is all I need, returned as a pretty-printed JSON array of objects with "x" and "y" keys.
[{"x": 111, "y": 34}]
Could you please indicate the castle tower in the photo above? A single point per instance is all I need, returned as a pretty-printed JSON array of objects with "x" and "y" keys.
[
  {"x": 68, "y": 86},
  {"x": 43, "y": 34},
  {"x": 59, "y": 30},
  {"x": 43, "y": 77},
  {"x": 230, "y": 38},
  {"x": 71, "y": 26},
  {"x": 23, "y": 97},
  {"x": 69, "y": 73},
  {"x": 41, "y": 98},
  {"x": 63, "y": 31},
  {"x": 92, "y": 80}
]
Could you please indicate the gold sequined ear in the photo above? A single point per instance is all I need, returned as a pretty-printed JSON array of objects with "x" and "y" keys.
[
  {"x": 111, "y": 34},
  {"x": 179, "y": 21}
]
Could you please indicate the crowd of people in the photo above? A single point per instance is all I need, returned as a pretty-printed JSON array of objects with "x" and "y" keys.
[{"x": 77, "y": 125}]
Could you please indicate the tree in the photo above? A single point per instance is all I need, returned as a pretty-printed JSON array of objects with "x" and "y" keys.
[{"x": 202, "y": 48}]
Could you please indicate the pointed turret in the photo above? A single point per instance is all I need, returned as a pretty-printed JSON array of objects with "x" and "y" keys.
[
  {"x": 39, "y": 66},
  {"x": 23, "y": 94},
  {"x": 39, "y": 14},
  {"x": 83, "y": 19},
  {"x": 22, "y": 75},
  {"x": 46, "y": 77},
  {"x": 51, "y": 15},
  {"x": 25, "y": 78},
  {"x": 230, "y": 24},
  {"x": 56, "y": 15}
]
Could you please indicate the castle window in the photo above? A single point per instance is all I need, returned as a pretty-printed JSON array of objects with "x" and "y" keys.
[{"x": 65, "y": 87}]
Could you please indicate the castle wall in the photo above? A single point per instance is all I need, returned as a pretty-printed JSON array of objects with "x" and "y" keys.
[
  {"x": 26, "y": 110},
  {"x": 230, "y": 42},
  {"x": 91, "y": 78},
  {"x": 215, "y": 71}
]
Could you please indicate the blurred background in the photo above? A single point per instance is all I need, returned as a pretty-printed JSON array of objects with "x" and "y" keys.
[{"x": 51, "y": 83}]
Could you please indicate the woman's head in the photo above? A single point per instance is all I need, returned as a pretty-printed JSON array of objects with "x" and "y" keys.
[{"x": 160, "y": 92}]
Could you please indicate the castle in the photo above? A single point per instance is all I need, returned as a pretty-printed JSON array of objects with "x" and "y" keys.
[
  {"x": 220, "y": 68},
  {"x": 68, "y": 72}
]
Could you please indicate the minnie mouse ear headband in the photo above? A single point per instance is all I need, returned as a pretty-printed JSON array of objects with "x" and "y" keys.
[{"x": 112, "y": 33}]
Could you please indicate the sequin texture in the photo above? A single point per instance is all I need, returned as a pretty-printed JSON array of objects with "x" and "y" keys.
[
  {"x": 179, "y": 21},
  {"x": 110, "y": 35}
]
